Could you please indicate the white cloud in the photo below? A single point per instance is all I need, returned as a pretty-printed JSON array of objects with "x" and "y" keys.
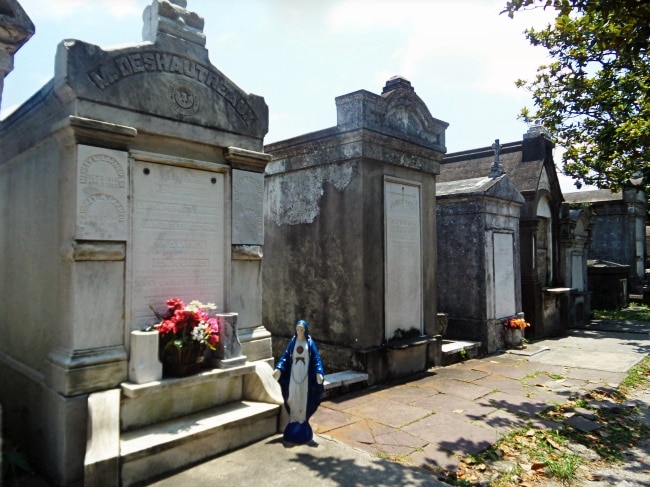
[{"x": 467, "y": 36}]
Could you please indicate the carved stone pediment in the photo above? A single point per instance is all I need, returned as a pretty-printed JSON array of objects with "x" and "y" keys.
[
  {"x": 398, "y": 112},
  {"x": 168, "y": 75}
]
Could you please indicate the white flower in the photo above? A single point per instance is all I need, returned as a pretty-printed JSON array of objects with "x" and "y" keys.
[{"x": 201, "y": 332}]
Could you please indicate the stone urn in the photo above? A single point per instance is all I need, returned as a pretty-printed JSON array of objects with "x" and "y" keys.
[{"x": 513, "y": 337}]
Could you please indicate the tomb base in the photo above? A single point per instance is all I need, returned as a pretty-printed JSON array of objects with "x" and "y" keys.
[{"x": 405, "y": 358}]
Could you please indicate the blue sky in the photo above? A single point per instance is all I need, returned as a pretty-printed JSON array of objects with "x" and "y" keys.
[{"x": 461, "y": 56}]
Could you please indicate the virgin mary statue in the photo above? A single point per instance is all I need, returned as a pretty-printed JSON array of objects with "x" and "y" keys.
[{"x": 300, "y": 374}]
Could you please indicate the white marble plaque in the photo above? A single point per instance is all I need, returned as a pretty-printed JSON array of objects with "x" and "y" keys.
[
  {"x": 577, "y": 276},
  {"x": 102, "y": 194},
  {"x": 504, "y": 275},
  {"x": 403, "y": 266},
  {"x": 178, "y": 242},
  {"x": 247, "y": 207}
]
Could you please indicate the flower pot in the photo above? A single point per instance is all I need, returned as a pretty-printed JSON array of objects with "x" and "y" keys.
[
  {"x": 514, "y": 337},
  {"x": 181, "y": 361},
  {"x": 181, "y": 370}
]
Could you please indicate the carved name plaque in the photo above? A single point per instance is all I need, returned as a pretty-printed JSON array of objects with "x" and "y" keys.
[
  {"x": 117, "y": 68},
  {"x": 178, "y": 238},
  {"x": 504, "y": 275},
  {"x": 403, "y": 282},
  {"x": 102, "y": 194},
  {"x": 247, "y": 207}
]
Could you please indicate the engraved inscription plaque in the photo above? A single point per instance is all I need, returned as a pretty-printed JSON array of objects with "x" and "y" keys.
[
  {"x": 247, "y": 206},
  {"x": 403, "y": 259},
  {"x": 102, "y": 189},
  {"x": 504, "y": 275},
  {"x": 177, "y": 238},
  {"x": 577, "y": 277}
]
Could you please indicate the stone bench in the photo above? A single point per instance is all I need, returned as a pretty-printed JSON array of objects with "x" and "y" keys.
[{"x": 341, "y": 381}]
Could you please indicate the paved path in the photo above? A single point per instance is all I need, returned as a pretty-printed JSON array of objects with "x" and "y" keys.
[{"x": 434, "y": 419}]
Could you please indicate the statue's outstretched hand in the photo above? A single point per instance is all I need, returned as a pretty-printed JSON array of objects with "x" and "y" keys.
[
  {"x": 277, "y": 373},
  {"x": 320, "y": 378}
]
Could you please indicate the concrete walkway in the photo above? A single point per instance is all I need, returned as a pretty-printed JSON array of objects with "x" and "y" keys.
[{"x": 435, "y": 419}]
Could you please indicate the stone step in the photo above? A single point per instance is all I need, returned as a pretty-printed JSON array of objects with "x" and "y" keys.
[
  {"x": 157, "y": 450},
  {"x": 159, "y": 401},
  {"x": 454, "y": 351}
]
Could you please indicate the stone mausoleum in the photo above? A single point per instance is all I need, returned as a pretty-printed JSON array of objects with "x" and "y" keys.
[
  {"x": 619, "y": 221},
  {"x": 479, "y": 274},
  {"x": 529, "y": 164},
  {"x": 350, "y": 234},
  {"x": 133, "y": 176}
]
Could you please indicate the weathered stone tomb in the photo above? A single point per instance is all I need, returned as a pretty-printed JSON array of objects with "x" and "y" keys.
[
  {"x": 350, "y": 234},
  {"x": 133, "y": 176},
  {"x": 575, "y": 239},
  {"x": 619, "y": 221},
  {"x": 529, "y": 164},
  {"x": 479, "y": 276}
]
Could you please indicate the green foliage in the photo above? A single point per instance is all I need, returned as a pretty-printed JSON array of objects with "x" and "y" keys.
[
  {"x": 638, "y": 376},
  {"x": 564, "y": 468},
  {"x": 636, "y": 313},
  {"x": 594, "y": 95}
]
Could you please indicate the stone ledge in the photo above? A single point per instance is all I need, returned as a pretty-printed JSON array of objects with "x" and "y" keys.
[
  {"x": 132, "y": 390},
  {"x": 453, "y": 346},
  {"x": 340, "y": 379},
  {"x": 409, "y": 342}
]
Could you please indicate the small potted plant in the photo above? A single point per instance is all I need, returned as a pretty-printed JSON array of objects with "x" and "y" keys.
[
  {"x": 186, "y": 331},
  {"x": 514, "y": 331}
]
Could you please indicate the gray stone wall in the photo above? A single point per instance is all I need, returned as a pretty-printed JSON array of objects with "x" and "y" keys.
[
  {"x": 105, "y": 177},
  {"x": 619, "y": 220},
  {"x": 325, "y": 225},
  {"x": 472, "y": 275},
  {"x": 324, "y": 243}
]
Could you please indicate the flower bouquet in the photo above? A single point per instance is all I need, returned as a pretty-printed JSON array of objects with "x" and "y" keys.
[
  {"x": 185, "y": 333},
  {"x": 516, "y": 323}
]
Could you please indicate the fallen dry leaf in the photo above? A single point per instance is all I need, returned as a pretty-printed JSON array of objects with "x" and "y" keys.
[
  {"x": 594, "y": 477},
  {"x": 554, "y": 444},
  {"x": 537, "y": 466}
]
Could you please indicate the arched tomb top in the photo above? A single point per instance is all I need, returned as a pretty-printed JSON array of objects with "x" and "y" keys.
[{"x": 398, "y": 111}]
